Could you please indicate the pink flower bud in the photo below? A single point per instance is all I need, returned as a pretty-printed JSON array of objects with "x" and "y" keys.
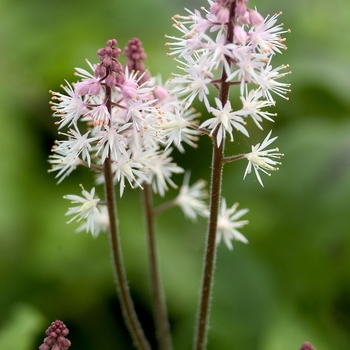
[
  {"x": 240, "y": 35},
  {"x": 255, "y": 17}
]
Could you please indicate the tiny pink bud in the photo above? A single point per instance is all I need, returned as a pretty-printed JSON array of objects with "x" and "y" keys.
[
  {"x": 160, "y": 92},
  {"x": 241, "y": 9},
  {"x": 100, "y": 71},
  {"x": 110, "y": 81},
  {"x": 307, "y": 346},
  {"x": 240, "y": 35},
  {"x": 53, "y": 335},
  {"x": 255, "y": 17},
  {"x": 44, "y": 347}
]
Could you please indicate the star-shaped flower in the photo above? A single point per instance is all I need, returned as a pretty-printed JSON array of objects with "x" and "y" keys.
[{"x": 260, "y": 159}]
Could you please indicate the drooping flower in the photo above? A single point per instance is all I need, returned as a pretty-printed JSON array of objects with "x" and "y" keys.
[
  {"x": 101, "y": 222},
  {"x": 228, "y": 224},
  {"x": 191, "y": 198}
]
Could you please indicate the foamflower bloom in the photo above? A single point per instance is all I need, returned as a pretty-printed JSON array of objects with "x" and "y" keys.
[
  {"x": 228, "y": 224},
  {"x": 191, "y": 198},
  {"x": 261, "y": 159},
  {"x": 86, "y": 208},
  {"x": 101, "y": 222},
  {"x": 226, "y": 119}
]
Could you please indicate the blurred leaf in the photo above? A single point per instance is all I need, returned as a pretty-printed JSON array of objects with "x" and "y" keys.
[{"x": 22, "y": 328}]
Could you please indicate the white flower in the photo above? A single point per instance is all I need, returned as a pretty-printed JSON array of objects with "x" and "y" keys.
[
  {"x": 190, "y": 198},
  {"x": 159, "y": 169},
  {"x": 76, "y": 145},
  {"x": 112, "y": 142},
  {"x": 266, "y": 36},
  {"x": 99, "y": 114},
  {"x": 87, "y": 208},
  {"x": 68, "y": 108},
  {"x": 176, "y": 127},
  {"x": 127, "y": 168},
  {"x": 269, "y": 82},
  {"x": 197, "y": 79},
  {"x": 225, "y": 119},
  {"x": 101, "y": 222},
  {"x": 63, "y": 165},
  {"x": 228, "y": 224},
  {"x": 252, "y": 106},
  {"x": 260, "y": 159}
]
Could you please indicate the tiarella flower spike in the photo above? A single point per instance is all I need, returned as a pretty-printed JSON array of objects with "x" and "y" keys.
[
  {"x": 123, "y": 124},
  {"x": 56, "y": 337}
]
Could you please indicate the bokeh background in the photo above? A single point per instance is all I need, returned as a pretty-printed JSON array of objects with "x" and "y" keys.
[{"x": 289, "y": 285}]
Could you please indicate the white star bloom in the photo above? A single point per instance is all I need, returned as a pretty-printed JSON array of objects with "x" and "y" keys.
[
  {"x": 252, "y": 107},
  {"x": 196, "y": 80},
  {"x": 260, "y": 159},
  {"x": 112, "y": 142},
  {"x": 62, "y": 164},
  {"x": 247, "y": 68},
  {"x": 127, "y": 168},
  {"x": 228, "y": 224},
  {"x": 269, "y": 83},
  {"x": 191, "y": 198},
  {"x": 76, "y": 145},
  {"x": 219, "y": 52},
  {"x": 99, "y": 114},
  {"x": 159, "y": 169},
  {"x": 176, "y": 127},
  {"x": 86, "y": 209},
  {"x": 266, "y": 37},
  {"x": 69, "y": 108},
  {"x": 225, "y": 119}
]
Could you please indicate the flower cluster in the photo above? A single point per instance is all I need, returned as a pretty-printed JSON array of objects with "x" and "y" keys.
[
  {"x": 122, "y": 115},
  {"x": 56, "y": 337},
  {"x": 242, "y": 43}
]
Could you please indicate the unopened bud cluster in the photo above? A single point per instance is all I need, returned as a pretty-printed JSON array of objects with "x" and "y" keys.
[{"x": 56, "y": 337}]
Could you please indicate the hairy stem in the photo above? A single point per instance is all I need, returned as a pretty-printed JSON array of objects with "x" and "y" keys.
[
  {"x": 215, "y": 196},
  {"x": 158, "y": 299},
  {"x": 127, "y": 306},
  {"x": 210, "y": 252}
]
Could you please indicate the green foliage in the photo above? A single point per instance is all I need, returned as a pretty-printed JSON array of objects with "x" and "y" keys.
[{"x": 289, "y": 285}]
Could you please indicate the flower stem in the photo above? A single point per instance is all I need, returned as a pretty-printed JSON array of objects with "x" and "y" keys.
[
  {"x": 215, "y": 195},
  {"x": 210, "y": 253},
  {"x": 127, "y": 306},
  {"x": 158, "y": 300}
]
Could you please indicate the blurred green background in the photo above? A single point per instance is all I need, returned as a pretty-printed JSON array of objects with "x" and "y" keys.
[{"x": 289, "y": 285}]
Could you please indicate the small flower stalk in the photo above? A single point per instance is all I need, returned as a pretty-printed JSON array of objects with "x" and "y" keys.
[{"x": 123, "y": 124}]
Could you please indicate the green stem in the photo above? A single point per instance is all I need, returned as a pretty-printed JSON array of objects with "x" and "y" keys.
[
  {"x": 127, "y": 306},
  {"x": 158, "y": 300}
]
